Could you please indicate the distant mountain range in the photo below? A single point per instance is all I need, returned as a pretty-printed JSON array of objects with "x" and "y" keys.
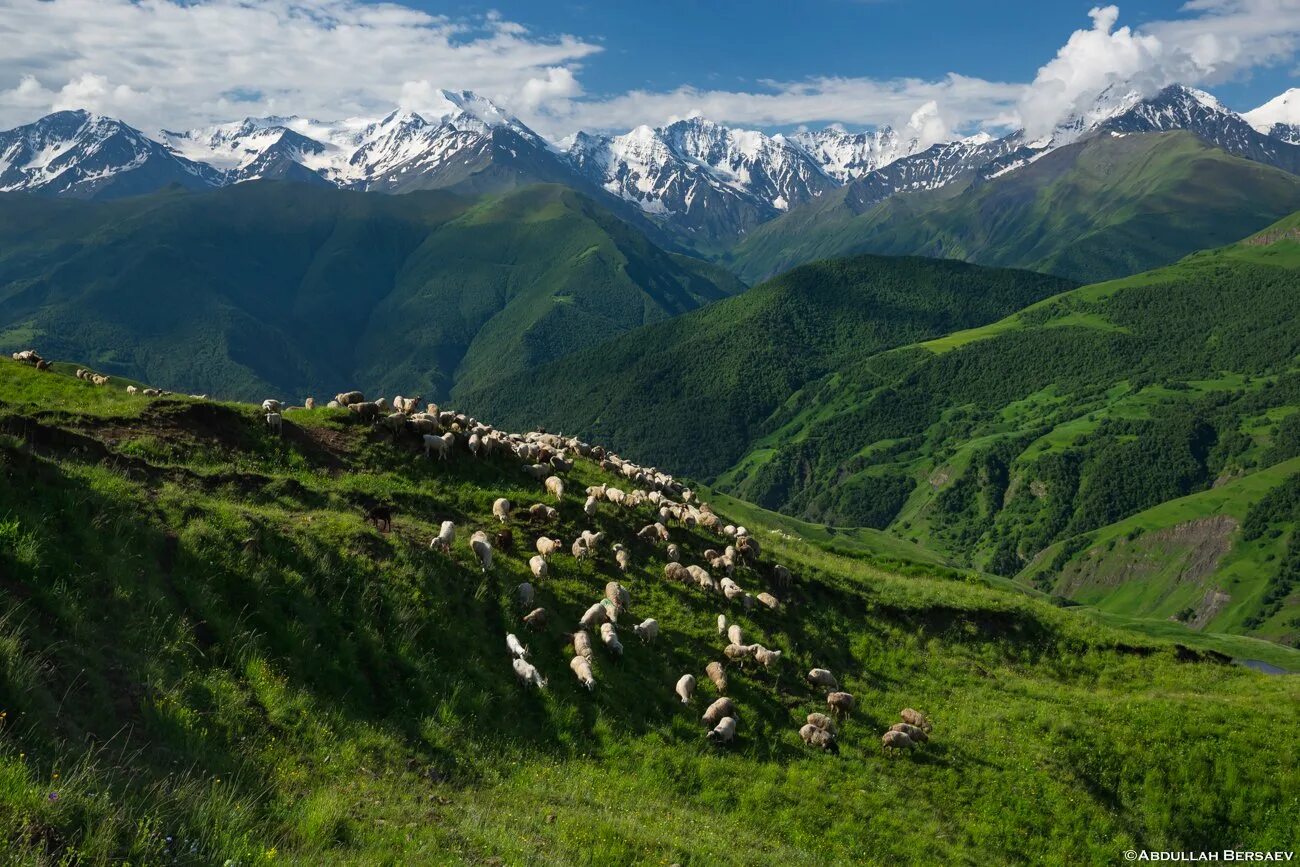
[{"x": 703, "y": 184}]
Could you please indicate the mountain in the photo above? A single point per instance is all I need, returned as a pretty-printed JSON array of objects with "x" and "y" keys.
[
  {"x": 296, "y": 289},
  {"x": 693, "y": 392},
  {"x": 1279, "y": 117},
  {"x": 280, "y": 681},
  {"x": 846, "y": 156},
  {"x": 255, "y": 148},
  {"x": 82, "y": 155},
  {"x": 1104, "y": 206}
]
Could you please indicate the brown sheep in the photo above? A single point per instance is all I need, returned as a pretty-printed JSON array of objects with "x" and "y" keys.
[
  {"x": 718, "y": 675},
  {"x": 916, "y": 718},
  {"x": 917, "y": 735},
  {"x": 841, "y": 703},
  {"x": 895, "y": 741},
  {"x": 723, "y": 707},
  {"x": 536, "y": 618}
]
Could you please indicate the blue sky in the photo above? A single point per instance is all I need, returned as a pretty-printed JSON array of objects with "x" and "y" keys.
[{"x": 939, "y": 68}]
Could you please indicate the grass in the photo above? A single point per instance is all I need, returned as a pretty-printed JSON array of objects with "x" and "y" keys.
[{"x": 208, "y": 656}]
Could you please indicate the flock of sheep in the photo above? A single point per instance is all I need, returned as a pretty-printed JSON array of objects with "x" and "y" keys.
[{"x": 546, "y": 458}]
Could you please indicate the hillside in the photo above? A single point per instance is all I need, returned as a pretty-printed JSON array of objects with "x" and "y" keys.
[
  {"x": 693, "y": 392},
  {"x": 291, "y": 289},
  {"x": 1113, "y": 442},
  {"x": 208, "y": 656},
  {"x": 1103, "y": 208}
]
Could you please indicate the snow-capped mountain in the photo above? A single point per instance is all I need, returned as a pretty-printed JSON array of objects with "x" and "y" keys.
[
  {"x": 703, "y": 183},
  {"x": 1279, "y": 117},
  {"x": 83, "y": 155}
]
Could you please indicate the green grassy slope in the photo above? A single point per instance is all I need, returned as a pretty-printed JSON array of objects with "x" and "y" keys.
[
  {"x": 286, "y": 288},
  {"x": 691, "y": 392},
  {"x": 206, "y": 656},
  {"x": 1103, "y": 208},
  {"x": 1053, "y": 428}
]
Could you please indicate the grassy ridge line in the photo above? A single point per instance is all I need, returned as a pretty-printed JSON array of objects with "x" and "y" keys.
[{"x": 335, "y": 695}]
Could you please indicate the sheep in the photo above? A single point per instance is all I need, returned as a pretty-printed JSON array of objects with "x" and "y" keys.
[
  {"x": 96, "y": 379},
  {"x": 675, "y": 571},
  {"x": 738, "y": 653},
  {"x": 582, "y": 668},
  {"x": 718, "y": 675},
  {"x": 735, "y": 634},
  {"x": 528, "y": 674},
  {"x": 446, "y": 535},
  {"x": 615, "y": 496},
  {"x": 647, "y": 533},
  {"x": 540, "y": 472},
  {"x": 582, "y": 644},
  {"x": 482, "y": 549},
  {"x": 822, "y": 677},
  {"x": 536, "y": 618},
  {"x": 131, "y": 389},
  {"x": 395, "y": 423},
  {"x": 589, "y": 507},
  {"x": 547, "y": 546},
  {"x": 770, "y": 601},
  {"x": 747, "y": 602},
  {"x": 918, "y": 735},
  {"x": 611, "y": 610},
  {"x": 782, "y": 578},
  {"x": 594, "y": 616},
  {"x": 817, "y": 737},
  {"x": 916, "y": 718},
  {"x": 674, "y": 553},
  {"x": 724, "y": 731},
  {"x": 622, "y": 557},
  {"x": 647, "y": 630},
  {"x": 722, "y": 626},
  {"x": 381, "y": 516},
  {"x": 821, "y": 721},
  {"x": 515, "y": 648},
  {"x": 272, "y": 406},
  {"x": 366, "y": 411},
  {"x": 525, "y": 594},
  {"x": 895, "y": 741},
  {"x": 537, "y": 564},
  {"x": 433, "y": 444},
  {"x": 618, "y": 594},
  {"x": 475, "y": 444},
  {"x": 731, "y": 589},
  {"x": 504, "y": 539},
  {"x": 580, "y": 551},
  {"x": 609, "y": 637},
  {"x": 723, "y": 707},
  {"x": 561, "y": 464},
  {"x": 555, "y": 487},
  {"x": 701, "y": 577},
  {"x": 767, "y": 658},
  {"x": 275, "y": 422},
  {"x": 348, "y": 398},
  {"x": 382, "y": 403},
  {"x": 592, "y": 540},
  {"x": 309, "y": 403},
  {"x": 841, "y": 703},
  {"x": 540, "y": 513},
  {"x": 406, "y": 404},
  {"x": 501, "y": 509},
  {"x": 685, "y": 688},
  {"x": 152, "y": 392}
]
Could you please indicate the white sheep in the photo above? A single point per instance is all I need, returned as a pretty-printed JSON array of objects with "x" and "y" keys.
[
  {"x": 731, "y": 589},
  {"x": 822, "y": 677},
  {"x": 475, "y": 444},
  {"x": 555, "y": 487},
  {"x": 674, "y": 552},
  {"x": 718, "y": 675},
  {"x": 738, "y": 653},
  {"x": 895, "y": 741},
  {"x": 582, "y": 668},
  {"x": 525, "y": 594},
  {"x": 735, "y": 634},
  {"x": 647, "y": 630},
  {"x": 770, "y": 601},
  {"x": 131, "y": 389},
  {"x": 609, "y": 637},
  {"x": 622, "y": 557},
  {"x": 434, "y": 443},
  {"x": 446, "y": 535},
  {"x": 592, "y": 540},
  {"x": 528, "y": 674},
  {"x": 482, "y": 549},
  {"x": 275, "y": 422},
  {"x": 547, "y": 546},
  {"x": 724, "y": 731},
  {"x": 685, "y": 687},
  {"x": 618, "y": 594},
  {"x": 515, "y": 648},
  {"x": 272, "y": 406},
  {"x": 594, "y": 616},
  {"x": 582, "y": 644},
  {"x": 766, "y": 658},
  {"x": 537, "y": 564},
  {"x": 580, "y": 551},
  {"x": 589, "y": 507},
  {"x": 501, "y": 509}
]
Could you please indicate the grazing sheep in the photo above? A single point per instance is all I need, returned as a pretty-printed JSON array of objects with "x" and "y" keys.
[
  {"x": 525, "y": 594},
  {"x": 366, "y": 411},
  {"x": 647, "y": 630},
  {"x": 685, "y": 688},
  {"x": 446, "y": 535},
  {"x": 555, "y": 487},
  {"x": 766, "y": 658},
  {"x": 738, "y": 653},
  {"x": 538, "y": 471},
  {"x": 589, "y": 507},
  {"x": 609, "y": 637},
  {"x": 841, "y": 703},
  {"x": 611, "y": 610},
  {"x": 735, "y": 634},
  {"x": 615, "y": 496},
  {"x": 546, "y": 546},
  {"x": 592, "y": 540},
  {"x": 770, "y": 601},
  {"x": 731, "y": 589},
  {"x": 618, "y": 594},
  {"x": 724, "y": 731},
  {"x": 782, "y": 578},
  {"x": 722, "y": 625},
  {"x": 647, "y": 533},
  {"x": 395, "y": 423},
  {"x": 702, "y": 578},
  {"x": 594, "y": 616},
  {"x": 348, "y": 398},
  {"x": 822, "y": 739},
  {"x": 381, "y": 517},
  {"x": 505, "y": 539},
  {"x": 807, "y": 731},
  {"x": 152, "y": 392},
  {"x": 822, "y": 677},
  {"x": 275, "y": 422},
  {"x": 674, "y": 552},
  {"x": 433, "y": 444},
  {"x": 895, "y": 741},
  {"x": 723, "y": 707},
  {"x": 309, "y": 403},
  {"x": 622, "y": 557},
  {"x": 676, "y": 572},
  {"x": 482, "y": 549},
  {"x": 537, "y": 564},
  {"x": 131, "y": 389},
  {"x": 272, "y": 406},
  {"x": 916, "y": 718},
  {"x": 515, "y": 648},
  {"x": 501, "y": 509},
  {"x": 582, "y": 644},
  {"x": 918, "y": 735},
  {"x": 474, "y": 443},
  {"x": 536, "y": 618},
  {"x": 822, "y": 721},
  {"x": 540, "y": 513},
  {"x": 580, "y": 551},
  {"x": 718, "y": 675},
  {"x": 582, "y": 668}
]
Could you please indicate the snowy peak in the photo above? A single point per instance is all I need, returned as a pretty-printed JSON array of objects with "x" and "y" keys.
[
  {"x": 1279, "y": 117},
  {"x": 847, "y": 156}
]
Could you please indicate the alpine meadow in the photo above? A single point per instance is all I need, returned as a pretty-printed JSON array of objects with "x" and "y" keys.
[{"x": 546, "y": 434}]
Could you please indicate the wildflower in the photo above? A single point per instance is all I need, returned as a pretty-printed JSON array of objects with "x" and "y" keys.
[{"x": 54, "y": 796}]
